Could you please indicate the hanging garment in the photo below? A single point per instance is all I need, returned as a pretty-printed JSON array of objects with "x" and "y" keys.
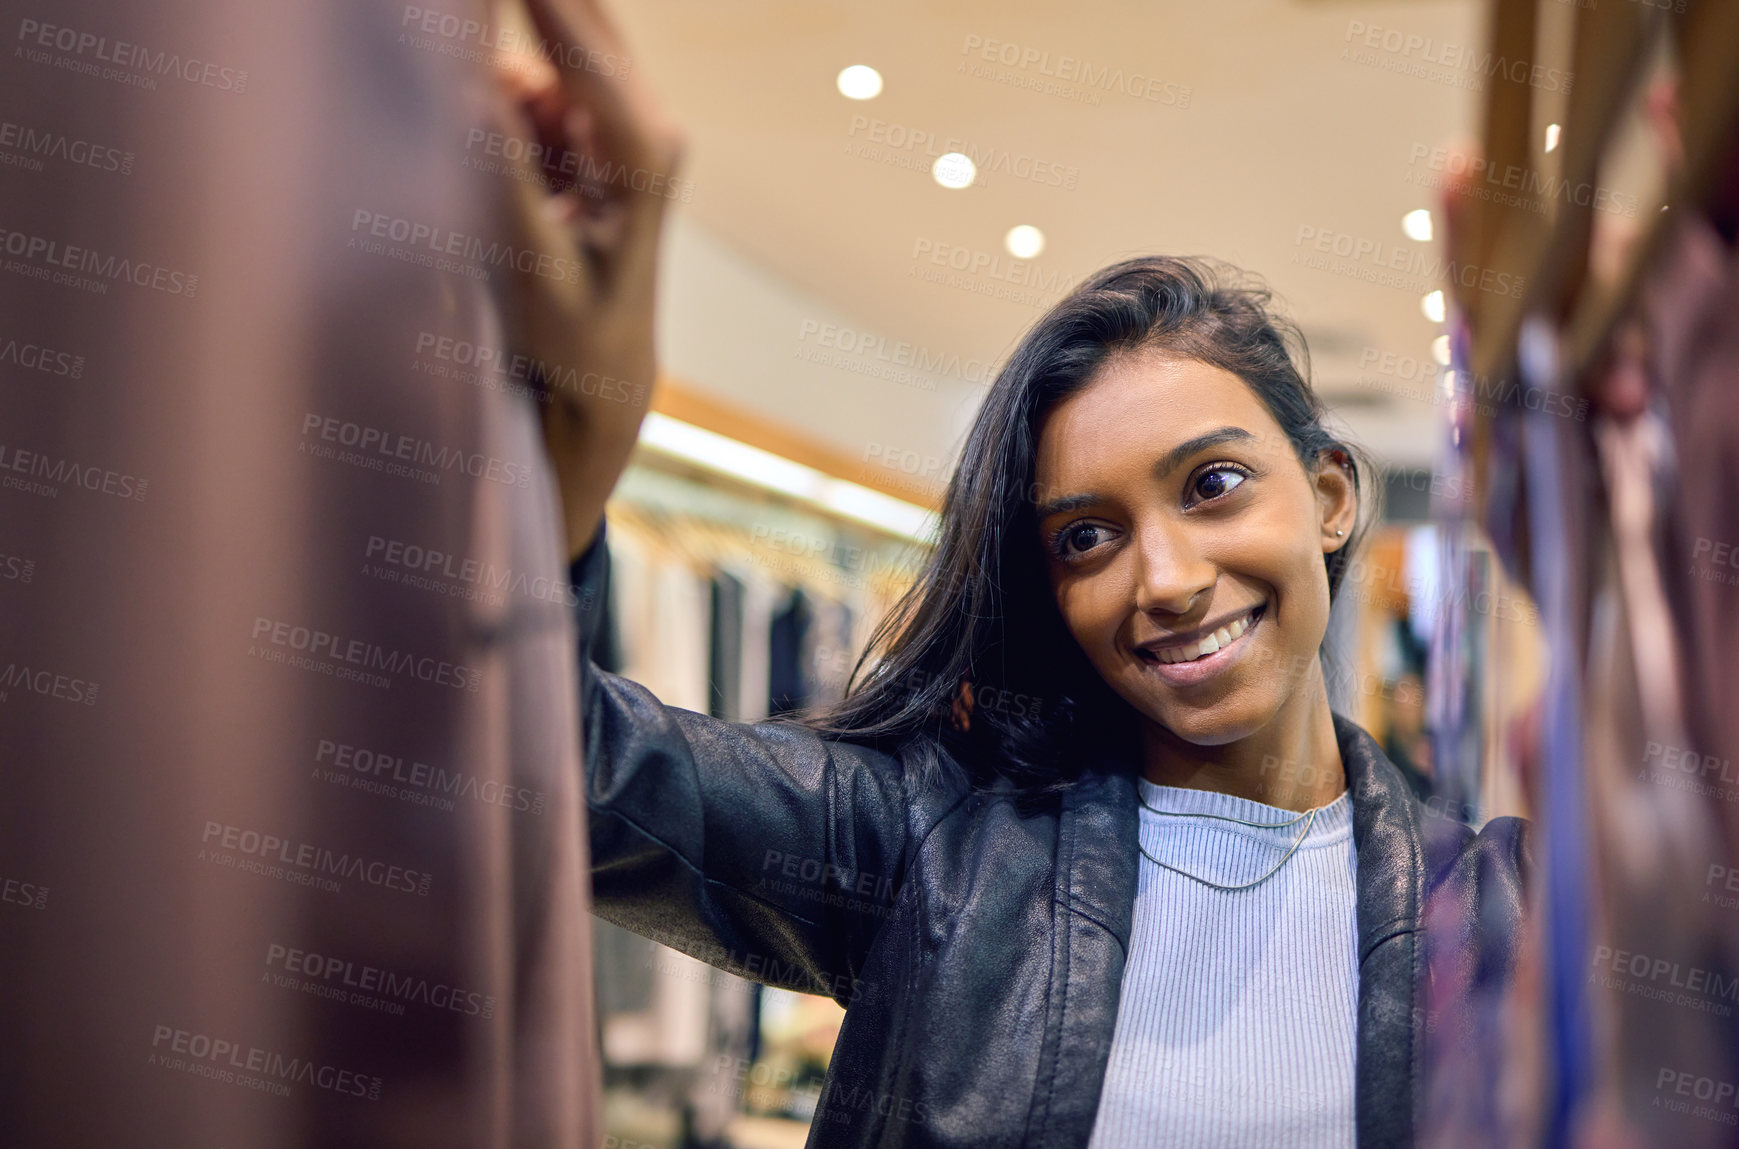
[
  {"x": 663, "y": 609},
  {"x": 827, "y": 652},
  {"x": 788, "y": 686},
  {"x": 760, "y": 599},
  {"x": 725, "y": 650},
  {"x": 294, "y": 783},
  {"x": 1692, "y": 299}
]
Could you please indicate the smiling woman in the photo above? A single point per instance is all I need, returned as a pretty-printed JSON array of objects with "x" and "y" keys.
[
  {"x": 1193, "y": 570},
  {"x": 1175, "y": 472},
  {"x": 1170, "y": 897}
]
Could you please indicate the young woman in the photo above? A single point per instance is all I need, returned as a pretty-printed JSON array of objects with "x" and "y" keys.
[{"x": 1098, "y": 864}]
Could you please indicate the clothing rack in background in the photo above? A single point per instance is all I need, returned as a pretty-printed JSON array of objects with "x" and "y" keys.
[
  {"x": 1611, "y": 519},
  {"x": 1610, "y": 51},
  {"x": 891, "y": 490}
]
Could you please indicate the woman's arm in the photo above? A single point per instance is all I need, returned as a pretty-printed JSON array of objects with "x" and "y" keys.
[
  {"x": 587, "y": 310},
  {"x": 761, "y": 848}
]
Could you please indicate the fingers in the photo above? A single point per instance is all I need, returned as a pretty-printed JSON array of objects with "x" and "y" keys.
[
  {"x": 589, "y": 303},
  {"x": 595, "y": 69},
  {"x": 631, "y": 150}
]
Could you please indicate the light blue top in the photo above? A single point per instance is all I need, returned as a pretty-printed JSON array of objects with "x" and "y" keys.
[{"x": 1236, "y": 1024}]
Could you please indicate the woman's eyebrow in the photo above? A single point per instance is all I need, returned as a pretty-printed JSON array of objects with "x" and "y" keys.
[
  {"x": 1188, "y": 447},
  {"x": 1070, "y": 503},
  {"x": 1173, "y": 458}
]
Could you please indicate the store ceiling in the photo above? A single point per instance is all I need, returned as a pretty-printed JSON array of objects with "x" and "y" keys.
[{"x": 1294, "y": 129}]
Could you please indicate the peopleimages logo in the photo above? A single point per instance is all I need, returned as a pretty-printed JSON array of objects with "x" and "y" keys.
[
  {"x": 131, "y": 63},
  {"x": 512, "y": 41},
  {"x": 1069, "y": 71},
  {"x": 31, "y": 895},
  {"x": 69, "y": 265},
  {"x": 549, "y": 165},
  {"x": 219, "y": 1058},
  {"x": 439, "y": 241},
  {"x": 1686, "y": 1086},
  {"x": 1524, "y": 182},
  {"x": 316, "y": 862},
  {"x": 35, "y": 357},
  {"x": 47, "y": 683},
  {"x": 357, "y": 982},
  {"x": 22, "y": 145},
  {"x": 375, "y": 448},
  {"x": 1657, "y": 979},
  {"x": 357, "y": 652},
  {"x": 371, "y": 769},
  {"x": 867, "y": 346},
  {"x": 1439, "y": 385},
  {"x": 1415, "y": 268},
  {"x": 517, "y": 368},
  {"x": 1412, "y": 54},
  {"x": 45, "y": 471},
  {"x": 455, "y": 573},
  {"x": 881, "y": 139}
]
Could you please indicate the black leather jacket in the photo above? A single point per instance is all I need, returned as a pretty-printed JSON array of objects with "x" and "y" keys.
[{"x": 978, "y": 952}]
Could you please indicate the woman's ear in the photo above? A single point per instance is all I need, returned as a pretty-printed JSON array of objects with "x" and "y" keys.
[
  {"x": 1337, "y": 498},
  {"x": 962, "y": 706}
]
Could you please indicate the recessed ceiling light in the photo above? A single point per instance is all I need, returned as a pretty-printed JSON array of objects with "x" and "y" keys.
[
  {"x": 1024, "y": 241},
  {"x": 1440, "y": 350},
  {"x": 954, "y": 170},
  {"x": 1433, "y": 307},
  {"x": 1417, "y": 224},
  {"x": 860, "y": 82},
  {"x": 1553, "y": 131}
]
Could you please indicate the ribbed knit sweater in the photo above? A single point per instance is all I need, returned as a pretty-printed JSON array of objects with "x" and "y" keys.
[{"x": 1236, "y": 1022}]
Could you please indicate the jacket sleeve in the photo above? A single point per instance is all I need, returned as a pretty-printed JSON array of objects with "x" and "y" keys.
[{"x": 760, "y": 848}]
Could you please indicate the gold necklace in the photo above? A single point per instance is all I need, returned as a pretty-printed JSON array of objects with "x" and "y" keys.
[{"x": 1225, "y": 818}]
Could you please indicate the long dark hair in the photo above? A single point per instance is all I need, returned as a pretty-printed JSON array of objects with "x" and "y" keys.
[{"x": 982, "y": 611}]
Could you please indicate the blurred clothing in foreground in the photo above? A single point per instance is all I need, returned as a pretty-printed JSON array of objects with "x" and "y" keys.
[{"x": 290, "y": 840}]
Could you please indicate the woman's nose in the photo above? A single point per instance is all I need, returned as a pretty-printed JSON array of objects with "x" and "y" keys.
[{"x": 1173, "y": 571}]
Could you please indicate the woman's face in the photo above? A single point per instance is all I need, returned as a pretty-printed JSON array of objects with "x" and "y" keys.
[{"x": 1175, "y": 518}]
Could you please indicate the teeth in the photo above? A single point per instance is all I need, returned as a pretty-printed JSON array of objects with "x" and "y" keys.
[{"x": 1224, "y": 636}]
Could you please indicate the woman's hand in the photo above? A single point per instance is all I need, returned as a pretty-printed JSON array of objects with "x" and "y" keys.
[{"x": 596, "y": 211}]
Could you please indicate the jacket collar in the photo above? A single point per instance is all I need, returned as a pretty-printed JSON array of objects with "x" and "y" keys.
[{"x": 1097, "y": 863}]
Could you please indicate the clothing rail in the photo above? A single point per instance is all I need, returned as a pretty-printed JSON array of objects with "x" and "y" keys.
[{"x": 1611, "y": 45}]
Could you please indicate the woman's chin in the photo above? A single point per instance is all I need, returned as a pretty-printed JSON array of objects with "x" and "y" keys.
[{"x": 1219, "y": 725}]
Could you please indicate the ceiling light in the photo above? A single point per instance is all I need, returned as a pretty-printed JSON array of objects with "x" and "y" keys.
[
  {"x": 1417, "y": 224},
  {"x": 1433, "y": 307},
  {"x": 860, "y": 82},
  {"x": 728, "y": 456},
  {"x": 1553, "y": 131},
  {"x": 1440, "y": 350},
  {"x": 1024, "y": 241},
  {"x": 954, "y": 171}
]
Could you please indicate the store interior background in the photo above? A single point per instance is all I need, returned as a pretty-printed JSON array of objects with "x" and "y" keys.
[{"x": 799, "y": 296}]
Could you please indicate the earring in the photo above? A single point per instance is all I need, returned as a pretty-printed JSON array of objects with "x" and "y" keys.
[{"x": 1340, "y": 532}]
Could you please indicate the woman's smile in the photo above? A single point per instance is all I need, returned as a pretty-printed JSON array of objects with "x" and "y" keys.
[{"x": 1205, "y": 656}]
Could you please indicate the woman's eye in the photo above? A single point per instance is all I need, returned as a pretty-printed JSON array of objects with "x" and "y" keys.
[
  {"x": 1219, "y": 481},
  {"x": 1074, "y": 540}
]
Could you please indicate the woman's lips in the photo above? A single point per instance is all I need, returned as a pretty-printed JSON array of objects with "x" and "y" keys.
[{"x": 1199, "y": 669}]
